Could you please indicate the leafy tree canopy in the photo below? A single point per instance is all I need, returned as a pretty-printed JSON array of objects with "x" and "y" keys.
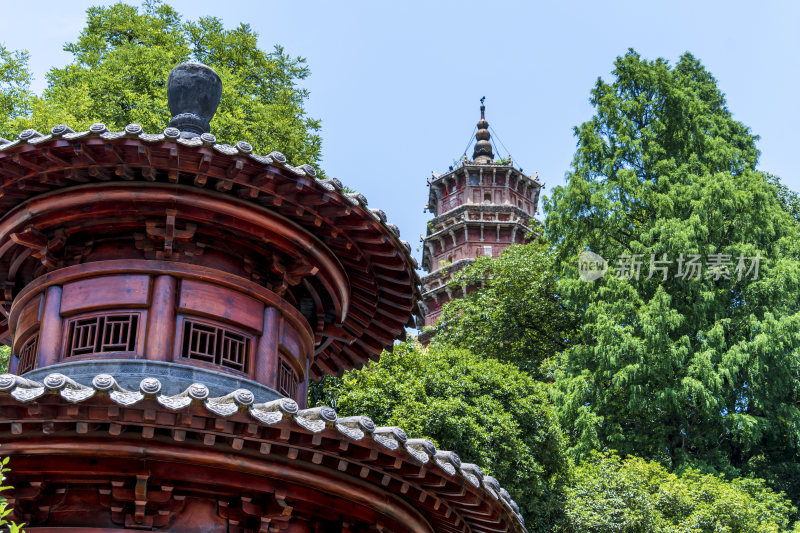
[
  {"x": 689, "y": 372},
  {"x": 609, "y": 494},
  {"x": 5, "y": 353},
  {"x": 118, "y": 75},
  {"x": 491, "y": 413},
  {"x": 514, "y": 314},
  {"x": 15, "y": 81}
]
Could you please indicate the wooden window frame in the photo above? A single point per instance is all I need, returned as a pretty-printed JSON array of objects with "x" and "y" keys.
[
  {"x": 27, "y": 359},
  {"x": 287, "y": 389},
  {"x": 214, "y": 360},
  {"x": 136, "y": 338}
]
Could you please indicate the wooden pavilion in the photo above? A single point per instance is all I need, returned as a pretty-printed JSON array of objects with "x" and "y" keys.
[{"x": 168, "y": 298}]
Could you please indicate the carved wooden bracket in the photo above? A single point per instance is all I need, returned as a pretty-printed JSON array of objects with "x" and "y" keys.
[
  {"x": 43, "y": 248},
  {"x": 175, "y": 241},
  {"x": 290, "y": 274},
  {"x": 271, "y": 513},
  {"x": 137, "y": 506},
  {"x": 21, "y": 496}
]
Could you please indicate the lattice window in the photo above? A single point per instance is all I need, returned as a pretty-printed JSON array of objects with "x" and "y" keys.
[
  {"x": 287, "y": 380},
  {"x": 215, "y": 344},
  {"x": 103, "y": 334},
  {"x": 28, "y": 354}
]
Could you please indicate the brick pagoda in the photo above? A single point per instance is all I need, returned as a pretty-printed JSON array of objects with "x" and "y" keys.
[{"x": 480, "y": 209}]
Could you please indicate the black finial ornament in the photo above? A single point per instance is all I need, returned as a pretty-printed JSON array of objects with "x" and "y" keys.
[
  {"x": 483, "y": 148},
  {"x": 193, "y": 94}
]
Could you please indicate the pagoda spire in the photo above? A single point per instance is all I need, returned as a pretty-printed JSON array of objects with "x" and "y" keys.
[{"x": 483, "y": 148}]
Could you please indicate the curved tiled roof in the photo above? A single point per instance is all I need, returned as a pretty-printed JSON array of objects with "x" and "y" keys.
[
  {"x": 463, "y": 498},
  {"x": 381, "y": 269}
]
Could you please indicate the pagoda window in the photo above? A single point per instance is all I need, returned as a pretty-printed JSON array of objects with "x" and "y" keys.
[
  {"x": 28, "y": 354},
  {"x": 474, "y": 179},
  {"x": 216, "y": 345},
  {"x": 287, "y": 380},
  {"x": 97, "y": 334},
  {"x": 487, "y": 251},
  {"x": 487, "y": 197}
]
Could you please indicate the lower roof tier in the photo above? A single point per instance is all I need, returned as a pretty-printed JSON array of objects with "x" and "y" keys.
[{"x": 99, "y": 455}]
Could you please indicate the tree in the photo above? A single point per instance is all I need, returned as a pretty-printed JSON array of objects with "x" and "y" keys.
[
  {"x": 491, "y": 413},
  {"x": 5, "y": 354},
  {"x": 687, "y": 369},
  {"x": 15, "y": 95},
  {"x": 12, "y": 527},
  {"x": 514, "y": 314},
  {"x": 609, "y": 494},
  {"x": 121, "y": 61}
]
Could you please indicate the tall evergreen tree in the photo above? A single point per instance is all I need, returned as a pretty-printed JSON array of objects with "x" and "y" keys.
[{"x": 691, "y": 370}]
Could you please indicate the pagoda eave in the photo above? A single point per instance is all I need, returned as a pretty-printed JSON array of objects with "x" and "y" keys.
[{"x": 141, "y": 458}]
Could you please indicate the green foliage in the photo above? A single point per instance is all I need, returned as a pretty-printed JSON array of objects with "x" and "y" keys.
[
  {"x": 688, "y": 372},
  {"x": 609, "y": 494},
  {"x": 489, "y": 412},
  {"x": 789, "y": 200},
  {"x": 514, "y": 314},
  {"x": 5, "y": 355},
  {"x": 4, "y": 509},
  {"x": 121, "y": 61},
  {"x": 15, "y": 95}
]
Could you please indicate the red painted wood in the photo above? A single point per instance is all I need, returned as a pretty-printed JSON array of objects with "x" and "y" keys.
[
  {"x": 28, "y": 320},
  {"x": 212, "y": 471},
  {"x": 178, "y": 270},
  {"x": 266, "y": 361},
  {"x": 105, "y": 292},
  {"x": 213, "y": 301},
  {"x": 290, "y": 341},
  {"x": 161, "y": 319},
  {"x": 51, "y": 331},
  {"x": 112, "y": 200}
]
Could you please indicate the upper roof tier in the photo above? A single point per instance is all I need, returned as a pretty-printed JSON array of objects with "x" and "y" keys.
[
  {"x": 470, "y": 174},
  {"x": 67, "y": 197}
]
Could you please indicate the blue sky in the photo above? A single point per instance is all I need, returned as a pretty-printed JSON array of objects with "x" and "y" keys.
[{"x": 397, "y": 84}]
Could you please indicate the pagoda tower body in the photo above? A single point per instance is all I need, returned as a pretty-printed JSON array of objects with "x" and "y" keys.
[
  {"x": 480, "y": 209},
  {"x": 167, "y": 299}
]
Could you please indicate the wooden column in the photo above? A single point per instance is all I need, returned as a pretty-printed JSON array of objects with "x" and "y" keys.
[
  {"x": 51, "y": 336},
  {"x": 266, "y": 364},
  {"x": 161, "y": 320}
]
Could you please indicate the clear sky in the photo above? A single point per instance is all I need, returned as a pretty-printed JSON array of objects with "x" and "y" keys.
[{"x": 397, "y": 84}]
